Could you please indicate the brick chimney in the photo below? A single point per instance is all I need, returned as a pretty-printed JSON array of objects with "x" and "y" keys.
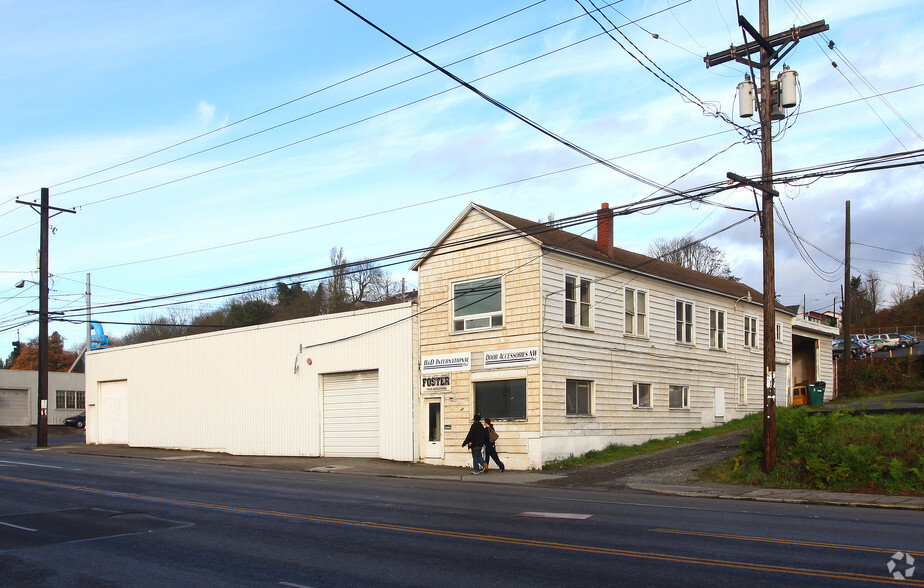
[{"x": 605, "y": 230}]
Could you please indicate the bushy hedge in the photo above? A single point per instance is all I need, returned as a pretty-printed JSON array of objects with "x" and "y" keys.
[
  {"x": 838, "y": 451},
  {"x": 881, "y": 375}
]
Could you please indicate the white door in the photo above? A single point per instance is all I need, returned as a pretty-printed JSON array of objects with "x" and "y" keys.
[
  {"x": 350, "y": 416},
  {"x": 113, "y": 412},
  {"x": 720, "y": 403},
  {"x": 14, "y": 408},
  {"x": 434, "y": 449}
]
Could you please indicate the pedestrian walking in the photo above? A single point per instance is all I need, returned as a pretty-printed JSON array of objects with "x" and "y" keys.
[
  {"x": 475, "y": 441},
  {"x": 490, "y": 451}
]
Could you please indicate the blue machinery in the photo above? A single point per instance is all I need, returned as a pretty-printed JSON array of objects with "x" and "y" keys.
[{"x": 98, "y": 340}]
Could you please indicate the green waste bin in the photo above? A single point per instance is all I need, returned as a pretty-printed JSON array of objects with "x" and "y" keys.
[{"x": 816, "y": 393}]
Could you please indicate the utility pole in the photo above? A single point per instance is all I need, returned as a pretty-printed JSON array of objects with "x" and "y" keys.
[
  {"x": 41, "y": 439},
  {"x": 771, "y": 51},
  {"x": 846, "y": 323}
]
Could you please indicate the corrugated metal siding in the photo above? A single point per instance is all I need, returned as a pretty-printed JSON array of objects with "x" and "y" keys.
[{"x": 239, "y": 391}]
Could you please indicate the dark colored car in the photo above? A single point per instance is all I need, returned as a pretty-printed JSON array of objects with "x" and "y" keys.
[{"x": 79, "y": 420}]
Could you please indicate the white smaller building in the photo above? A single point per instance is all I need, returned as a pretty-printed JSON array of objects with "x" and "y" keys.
[
  {"x": 19, "y": 397},
  {"x": 332, "y": 385}
]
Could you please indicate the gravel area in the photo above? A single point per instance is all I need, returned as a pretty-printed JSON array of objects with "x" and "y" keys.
[{"x": 679, "y": 465}]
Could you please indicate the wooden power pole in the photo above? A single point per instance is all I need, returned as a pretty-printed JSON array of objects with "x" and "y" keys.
[
  {"x": 771, "y": 51},
  {"x": 41, "y": 436}
]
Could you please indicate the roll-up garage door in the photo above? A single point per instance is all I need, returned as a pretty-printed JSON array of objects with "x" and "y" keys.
[
  {"x": 351, "y": 414},
  {"x": 14, "y": 408}
]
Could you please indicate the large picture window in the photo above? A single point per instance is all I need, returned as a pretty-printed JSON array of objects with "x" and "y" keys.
[
  {"x": 684, "y": 319},
  {"x": 716, "y": 328},
  {"x": 577, "y": 301},
  {"x": 501, "y": 399},
  {"x": 636, "y": 312},
  {"x": 477, "y": 305},
  {"x": 577, "y": 397}
]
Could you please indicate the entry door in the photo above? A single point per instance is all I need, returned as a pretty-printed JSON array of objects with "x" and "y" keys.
[
  {"x": 113, "y": 412},
  {"x": 434, "y": 429}
]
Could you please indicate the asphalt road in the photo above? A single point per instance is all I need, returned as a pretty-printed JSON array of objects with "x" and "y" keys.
[{"x": 69, "y": 519}]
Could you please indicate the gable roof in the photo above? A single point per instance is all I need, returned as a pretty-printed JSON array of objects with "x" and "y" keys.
[{"x": 570, "y": 244}]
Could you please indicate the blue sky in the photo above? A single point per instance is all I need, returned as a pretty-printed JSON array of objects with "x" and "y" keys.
[{"x": 88, "y": 87}]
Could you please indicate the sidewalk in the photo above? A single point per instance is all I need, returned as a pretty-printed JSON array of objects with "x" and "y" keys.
[{"x": 385, "y": 468}]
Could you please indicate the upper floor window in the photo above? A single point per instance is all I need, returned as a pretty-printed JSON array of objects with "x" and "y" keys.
[
  {"x": 750, "y": 331},
  {"x": 636, "y": 312},
  {"x": 779, "y": 332},
  {"x": 577, "y": 301},
  {"x": 477, "y": 305},
  {"x": 684, "y": 319},
  {"x": 716, "y": 328},
  {"x": 577, "y": 397}
]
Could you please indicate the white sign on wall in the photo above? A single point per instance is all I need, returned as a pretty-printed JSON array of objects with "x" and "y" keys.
[
  {"x": 511, "y": 357},
  {"x": 454, "y": 362},
  {"x": 436, "y": 383}
]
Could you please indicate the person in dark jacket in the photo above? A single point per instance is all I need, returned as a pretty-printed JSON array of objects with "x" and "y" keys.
[
  {"x": 490, "y": 451},
  {"x": 475, "y": 441}
]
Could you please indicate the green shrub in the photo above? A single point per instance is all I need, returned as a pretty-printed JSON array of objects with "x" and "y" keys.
[{"x": 836, "y": 451}]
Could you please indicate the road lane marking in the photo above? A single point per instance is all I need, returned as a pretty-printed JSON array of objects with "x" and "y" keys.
[
  {"x": 18, "y": 527},
  {"x": 887, "y": 550},
  {"x": 35, "y": 465},
  {"x": 555, "y": 515},
  {"x": 522, "y": 542}
]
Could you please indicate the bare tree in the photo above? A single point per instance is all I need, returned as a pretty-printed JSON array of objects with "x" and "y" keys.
[
  {"x": 873, "y": 288},
  {"x": 363, "y": 279},
  {"x": 336, "y": 293},
  {"x": 917, "y": 262},
  {"x": 900, "y": 294},
  {"x": 692, "y": 254}
]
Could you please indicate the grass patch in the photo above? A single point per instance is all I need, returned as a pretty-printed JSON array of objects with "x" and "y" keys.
[
  {"x": 616, "y": 452},
  {"x": 840, "y": 451}
]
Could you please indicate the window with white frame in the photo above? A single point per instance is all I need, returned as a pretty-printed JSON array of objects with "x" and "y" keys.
[
  {"x": 70, "y": 399},
  {"x": 636, "y": 312},
  {"x": 684, "y": 319},
  {"x": 477, "y": 305},
  {"x": 742, "y": 390},
  {"x": 750, "y": 331},
  {"x": 578, "y": 397},
  {"x": 716, "y": 328},
  {"x": 641, "y": 395},
  {"x": 779, "y": 332},
  {"x": 679, "y": 397},
  {"x": 577, "y": 301},
  {"x": 501, "y": 399}
]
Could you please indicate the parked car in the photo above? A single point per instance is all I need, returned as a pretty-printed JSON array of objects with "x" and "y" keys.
[
  {"x": 887, "y": 342},
  {"x": 909, "y": 340},
  {"x": 858, "y": 349},
  {"x": 880, "y": 344},
  {"x": 79, "y": 420}
]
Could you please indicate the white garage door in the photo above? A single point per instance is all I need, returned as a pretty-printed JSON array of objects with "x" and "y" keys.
[
  {"x": 351, "y": 414},
  {"x": 14, "y": 408}
]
